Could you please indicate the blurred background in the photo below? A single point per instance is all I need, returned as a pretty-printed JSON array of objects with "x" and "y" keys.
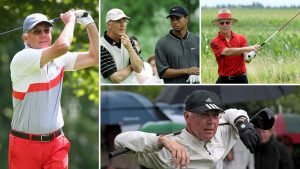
[
  {"x": 80, "y": 90},
  {"x": 277, "y": 61},
  {"x": 159, "y": 109},
  {"x": 148, "y": 22}
]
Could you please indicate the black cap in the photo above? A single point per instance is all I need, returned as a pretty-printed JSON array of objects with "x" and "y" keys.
[
  {"x": 201, "y": 101},
  {"x": 178, "y": 11}
]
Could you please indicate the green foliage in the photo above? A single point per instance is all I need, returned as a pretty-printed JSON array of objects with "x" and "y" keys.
[
  {"x": 148, "y": 20},
  {"x": 82, "y": 83},
  {"x": 276, "y": 62},
  {"x": 151, "y": 92}
]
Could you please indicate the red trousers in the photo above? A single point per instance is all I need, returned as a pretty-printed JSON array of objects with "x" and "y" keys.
[{"x": 27, "y": 154}]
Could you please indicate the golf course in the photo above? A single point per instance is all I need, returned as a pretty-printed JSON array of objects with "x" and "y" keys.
[{"x": 278, "y": 60}]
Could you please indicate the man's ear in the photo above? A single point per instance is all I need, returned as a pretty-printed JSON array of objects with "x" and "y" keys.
[
  {"x": 186, "y": 115},
  {"x": 24, "y": 36}
]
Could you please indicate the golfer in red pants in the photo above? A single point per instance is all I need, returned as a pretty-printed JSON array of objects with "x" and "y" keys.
[{"x": 36, "y": 139}]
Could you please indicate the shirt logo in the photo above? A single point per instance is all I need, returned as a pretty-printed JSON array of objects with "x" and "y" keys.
[{"x": 193, "y": 48}]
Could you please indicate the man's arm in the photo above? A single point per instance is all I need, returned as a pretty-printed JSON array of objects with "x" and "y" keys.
[
  {"x": 121, "y": 75},
  {"x": 172, "y": 73},
  {"x": 90, "y": 58},
  {"x": 135, "y": 61},
  {"x": 239, "y": 51},
  {"x": 148, "y": 143},
  {"x": 63, "y": 42}
]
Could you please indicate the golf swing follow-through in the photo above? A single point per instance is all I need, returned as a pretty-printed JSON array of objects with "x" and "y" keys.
[
  {"x": 37, "y": 139},
  {"x": 209, "y": 135},
  {"x": 252, "y": 54}
]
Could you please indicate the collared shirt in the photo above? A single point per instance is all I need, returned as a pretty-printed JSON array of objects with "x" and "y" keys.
[
  {"x": 37, "y": 91},
  {"x": 177, "y": 53},
  {"x": 203, "y": 155},
  {"x": 114, "y": 57},
  {"x": 229, "y": 65}
]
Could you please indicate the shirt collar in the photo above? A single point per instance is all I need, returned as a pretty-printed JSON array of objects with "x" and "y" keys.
[
  {"x": 220, "y": 36},
  {"x": 173, "y": 35},
  {"x": 111, "y": 41}
]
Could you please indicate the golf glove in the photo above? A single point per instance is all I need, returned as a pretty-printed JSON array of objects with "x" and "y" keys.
[
  {"x": 250, "y": 56},
  {"x": 248, "y": 134},
  {"x": 83, "y": 17},
  {"x": 193, "y": 79}
]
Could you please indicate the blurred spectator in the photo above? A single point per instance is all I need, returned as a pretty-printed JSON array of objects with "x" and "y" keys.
[
  {"x": 107, "y": 145},
  {"x": 293, "y": 149},
  {"x": 271, "y": 154},
  {"x": 239, "y": 157},
  {"x": 147, "y": 75}
]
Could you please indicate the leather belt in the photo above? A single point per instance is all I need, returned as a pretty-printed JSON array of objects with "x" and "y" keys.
[
  {"x": 36, "y": 137},
  {"x": 233, "y": 77}
]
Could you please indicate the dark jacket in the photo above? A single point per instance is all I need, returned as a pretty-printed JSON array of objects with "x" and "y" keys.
[{"x": 273, "y": 155}]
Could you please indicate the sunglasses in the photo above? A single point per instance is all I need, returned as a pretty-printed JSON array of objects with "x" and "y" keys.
[
  {"x": 39, "y": 31},
  {"x": 121, "y": 21},
  {"x": 227, "y": 23}
]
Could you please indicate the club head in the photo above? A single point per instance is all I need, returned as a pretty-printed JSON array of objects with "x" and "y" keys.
[{"x": 264, "y": 119}]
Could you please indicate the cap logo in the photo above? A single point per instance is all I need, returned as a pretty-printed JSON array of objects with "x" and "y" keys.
[
  {"x": 212, "y": 106},
  {"x": 208, "y": 100},
  {"x": 174, "y": 9}
]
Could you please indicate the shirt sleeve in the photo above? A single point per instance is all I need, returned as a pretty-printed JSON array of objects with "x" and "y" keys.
[
  {"x": 108, "y": 64},
  {"x": 217, "y": 47},
  {"x": 26, "y": 61},
  {"x": 70, "y": 60},
  {"x": 161, "y": 59},
  {"x": 145, "y": 148}
]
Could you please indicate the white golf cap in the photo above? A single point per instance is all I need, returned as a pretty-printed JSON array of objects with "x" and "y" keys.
[
  {"x": 34, "y": 19},
  {"x": 115, "y": 14}
]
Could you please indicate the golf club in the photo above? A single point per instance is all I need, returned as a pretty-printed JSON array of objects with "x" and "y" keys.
[
  {"x": 252, "y": 54},
  {"x": 85, "y": 14},
  {"x": 264, "y": 120}
]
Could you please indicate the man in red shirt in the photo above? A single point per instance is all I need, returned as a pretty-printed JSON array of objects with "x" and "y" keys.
[{"x": 230, "y": 50}]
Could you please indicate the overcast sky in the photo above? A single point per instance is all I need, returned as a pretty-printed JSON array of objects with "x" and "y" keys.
[{"x": 271, "y": 3}]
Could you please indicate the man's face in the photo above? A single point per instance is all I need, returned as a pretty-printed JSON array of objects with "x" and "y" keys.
[
  {"x": 39, "y": 37},
  {"x": 225, "y": 25},
  {"x": 179, "y": 23},
  {"x": 204, "y": 126},
  {"x": 265, "y": 135},
  {"x": 118, "y": 27}
]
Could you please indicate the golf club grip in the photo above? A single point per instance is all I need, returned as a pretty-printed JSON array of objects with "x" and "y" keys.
[{"x": 118, "y": 152}]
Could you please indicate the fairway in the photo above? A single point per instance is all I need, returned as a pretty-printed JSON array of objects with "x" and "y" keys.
[{"x": 277, "y": 61}]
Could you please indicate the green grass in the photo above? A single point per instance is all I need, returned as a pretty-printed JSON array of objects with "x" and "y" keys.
[{"x": 277, "y": 62}]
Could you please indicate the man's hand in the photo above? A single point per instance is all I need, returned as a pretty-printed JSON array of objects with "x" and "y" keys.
[
  {"x": 125, "y": 40},
  {"x": 82, "y": 19},
  {"x": 248, "y": 134},
  {"x": 192, "y": 71},
  {"x": 180, "y": 157},
  {"x": 68, "y": 17},
  {"x": 193, "y": 79}
]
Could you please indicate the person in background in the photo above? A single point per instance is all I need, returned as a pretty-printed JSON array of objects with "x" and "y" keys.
[
  {"x": 271, "y": 154},
  {"x": 149, "y": 74}
]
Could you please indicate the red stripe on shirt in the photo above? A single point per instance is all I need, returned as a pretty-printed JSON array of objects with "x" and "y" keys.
[{"x": 35, "y": 87}]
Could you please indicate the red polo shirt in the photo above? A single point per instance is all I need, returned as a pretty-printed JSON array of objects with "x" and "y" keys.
[{"x": 229, "y": 65}]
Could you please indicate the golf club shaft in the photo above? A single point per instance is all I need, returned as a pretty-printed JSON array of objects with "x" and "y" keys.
[
  {"x": 283, "y": 26},
  {"x": 85, "y": 14},
  {"x": 16, "y": 29}
]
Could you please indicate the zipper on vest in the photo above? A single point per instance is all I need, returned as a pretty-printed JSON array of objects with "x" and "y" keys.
[{"x": 206, "y": 149}]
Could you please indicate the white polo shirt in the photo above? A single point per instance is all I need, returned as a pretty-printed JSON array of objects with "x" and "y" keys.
[{"x": 37, "y": 91}]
